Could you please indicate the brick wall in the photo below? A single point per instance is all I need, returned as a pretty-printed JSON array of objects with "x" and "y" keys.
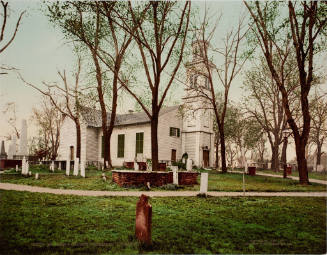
[{"x": 136, "y": 178}]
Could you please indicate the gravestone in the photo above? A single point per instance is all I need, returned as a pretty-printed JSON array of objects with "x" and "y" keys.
[
  {"x": 189, "y": 165},
  {"x": 204, "y": 183},
  {"x": 36, "y": 176},
  {"x": 136, "y": 166},
  {"x": 12, "y": 148},
  {"x": 16, "y": 168},
  {"x": 52, "y": 167},
  {"x": 59, "y": 165},
  {"x": 23, "y": 166},
  {"x": 143, "y": 220},
  {"x": 67, "y": 167},
  {"x": 175, "y": 174},
  {"x": 3, "y": 153},
  {"x": 76, "y": 166},
  {"x": 83, "y": 168},
  {"x": 23, "y": 139},
  {"x": 320, "y": 168}
]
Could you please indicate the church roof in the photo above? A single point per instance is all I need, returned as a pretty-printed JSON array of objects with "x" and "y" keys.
[{"x": 93, "y": 117}]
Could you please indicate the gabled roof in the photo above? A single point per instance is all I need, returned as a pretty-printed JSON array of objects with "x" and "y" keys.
[{"x": 93, "y": 117}]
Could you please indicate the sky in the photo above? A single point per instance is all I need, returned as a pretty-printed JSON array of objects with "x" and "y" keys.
[{"x": 39, "y": 51}]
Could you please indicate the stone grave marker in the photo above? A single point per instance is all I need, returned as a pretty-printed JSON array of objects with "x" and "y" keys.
[
  {"x": 175, "y": 174},
  {"x": 204, "y": 183},
  {"x": 59, "y": 165},
  {"x": 143, "y": 220},
  {"x": 136, "y": 166},
  {"x": 16, "y": 168},
  {"x": 76, "y": 166},
  {"x": 67, "y": 167},
  {"x": 36, "y": 176},
  {"x": 189, "y": 165},
  {"x": 83, "y": 168}
]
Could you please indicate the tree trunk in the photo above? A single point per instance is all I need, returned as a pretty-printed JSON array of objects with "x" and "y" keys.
[
  {"x": 217, "y": 154},
  {"x": 274, "y": 158},
  {"x": 284, "y": 156},
  {"x": 154, "y": 143},
  {"x": 222, "y": 149},
  {"x": 301, "y": 160},
  {"x": 106, "y": 146},
  {"x": 319, "y": 145},
  {"x": 78, "y": 139}
]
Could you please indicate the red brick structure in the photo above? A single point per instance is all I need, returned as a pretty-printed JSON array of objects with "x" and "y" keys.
[
  {"x": 9, "y": 163},
  {"x": 125, "y": 178},
  {"x": 143, "y": 220}
]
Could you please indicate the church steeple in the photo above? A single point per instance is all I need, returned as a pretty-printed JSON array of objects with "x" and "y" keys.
[{"x": 199, "y": 50}]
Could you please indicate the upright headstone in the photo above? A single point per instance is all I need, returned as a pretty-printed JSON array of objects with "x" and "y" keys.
[
  {"x": 143, "y": 220},
  {"x": 59, "y": 165},
  {"x": 23, "y": 166},
  {"x": 83, "y": 168},
  {"x": 23, "y": 139},
  {"x": 67, "y": 167},
  {"x": 3, "y": 153},
  {"x": 204, "y": 183},
  {"x": 76, "y": 166},
  {"x": 36, "y": 176},
  {"x": 175, "y": 174},
  {"x": 136, "y": 166},
  {"x": 189, "y": 165},
  {"x": 12, "y": 147},
  {"x": 16, "y": 168},
  {"x": 52, "y": 166}
]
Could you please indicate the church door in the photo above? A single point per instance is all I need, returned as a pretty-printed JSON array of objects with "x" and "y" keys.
[
  {"x": 173, "y": 155},
  {"x": 205, "y": 158}
]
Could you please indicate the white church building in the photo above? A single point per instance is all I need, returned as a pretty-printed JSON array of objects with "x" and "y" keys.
[{"x": 181, "y": 129}]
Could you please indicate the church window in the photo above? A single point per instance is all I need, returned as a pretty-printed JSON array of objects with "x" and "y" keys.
[
  {"x": 174, "y": 132},
  {"x": 121, "y": 146},
  {"x": 139, "y": 142}
]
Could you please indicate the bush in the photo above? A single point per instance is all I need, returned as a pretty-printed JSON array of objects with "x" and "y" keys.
[{"x": 180, "y": 164}]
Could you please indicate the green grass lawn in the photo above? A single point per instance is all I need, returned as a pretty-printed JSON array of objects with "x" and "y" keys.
[
  {"x": 34, "y": 223},
  {"x": 312, "y": 175},
  {"x": 217, "y": 182}
]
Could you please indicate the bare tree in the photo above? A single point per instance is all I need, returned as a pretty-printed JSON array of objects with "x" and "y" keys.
[
  {"x": 10, "y": 113},
  {"x": 264, "y": 103},
  {"x": 70, "y": 94},
  {"x": 49, "y": 120},
  {"x": 4, "y": 43},
  {"x": 232, "y": 64},
  {"x": 318, "y": 134},
  {"x": 160, "y": 38},
  {"x": 95, "y": 26},
  {"x": 302, "y": 28}
]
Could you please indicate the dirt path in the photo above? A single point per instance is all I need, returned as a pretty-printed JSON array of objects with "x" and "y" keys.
[
  {"x": 17, "y": 187},
  {"x": 280, "y": 176}
]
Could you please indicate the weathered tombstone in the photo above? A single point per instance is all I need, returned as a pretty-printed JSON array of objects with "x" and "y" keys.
[
  {"x": 136, "y": 166},
  {"x": 59, "y": 165},
  {"x": 67, "y": 167},
  {"x": 143, "y": 220},
  {"x": 83, "y": 168},
  {"x": 76, "y": 166},
  {"x": 204, "y": 183},
  {"x": 16, "y": 168},
  {"x": 320, "y": 168},
  {"x": 29, "y": 173},
  {"x": 3, "y": 153},
  {"x": 104, "y": 178},
  {"x": 23, "y": 139},
  {"x": 189, "y": 165},
  {"x": 175, "y": 174},
  {"x": 36, "y": 176},
  {"x": 52, "y": 167}
]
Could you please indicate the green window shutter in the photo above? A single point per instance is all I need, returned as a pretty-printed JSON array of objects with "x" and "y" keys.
[
  {"x": 178, "y": 132},
  {"x": 139, "y": 143},
  {"x": 102, "y": 147},
  {"x": 171, "y": 131},
  {"x": 121, "y": 146}
]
